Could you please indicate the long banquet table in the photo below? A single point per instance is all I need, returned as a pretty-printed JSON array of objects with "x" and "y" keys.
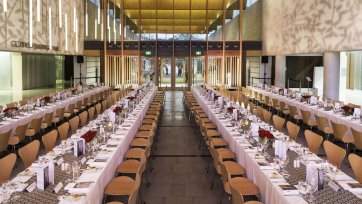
[
  {"x": 27, "y": 117},
  {"x": 99, "y": 176},
  {"x": 269, "y": 190},
  {"x": 337, "y": 118}
]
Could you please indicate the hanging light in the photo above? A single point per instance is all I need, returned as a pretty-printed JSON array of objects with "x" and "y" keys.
[
  {"x": 5, "y": 5},
  {"x": 86, "y": 18},
  {"x": 108, "y": 15},
  {"x": 50, "y": 27},
  {"x": 66, "y": 31},
  {"x": 38, "y": 16},
  {"x": 76, "y": 35},
  {"x": 99, "y": 12},
  {"x": 30, "y": 23},
  {"x": 95, "y": 28},
  {"x": 74, "y": 16},
  {"x": 60, "y": 12}
]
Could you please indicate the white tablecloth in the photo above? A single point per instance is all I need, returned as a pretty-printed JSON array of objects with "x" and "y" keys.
[
  {"x": 337, "y": 118},
  {"x": 95, "y": 194},
  {"x": 13, "y": 123},
  {"x": 270, "y": 193}
]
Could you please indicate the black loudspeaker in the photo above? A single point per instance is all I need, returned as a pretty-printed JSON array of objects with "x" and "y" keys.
[
  {"x": 80, "y": 59},
  {"x": 264, "y": 59}
]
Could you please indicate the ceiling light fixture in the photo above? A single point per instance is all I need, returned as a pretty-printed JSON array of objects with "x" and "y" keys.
[
  {"x": 50, "y": 27},
  {"x": 95, "y": 28},
  {"x": 74, "y": 16},
  {"x": 5, "y": 5},
  {"x": 38, "y": 10},
  {"x": 30, "y": 23},
  {"x": 66, "y": 31},
  {"x": 86, "y": 18},
  {"x": 99, "y": 12},
  {"x": 60, "y": 12}
]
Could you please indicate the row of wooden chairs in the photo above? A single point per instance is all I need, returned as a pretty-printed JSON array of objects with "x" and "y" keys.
[
  {"x": 128, "y": 180},
  {"x": 232, "y": 174}
]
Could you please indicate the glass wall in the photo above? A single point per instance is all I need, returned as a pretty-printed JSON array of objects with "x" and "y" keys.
[
  {"x": 164, "y": 70},
  {"x": 198, "y": 64},
  {"x": 181, "y": 71},
  {"x": 148, "y": 69}
]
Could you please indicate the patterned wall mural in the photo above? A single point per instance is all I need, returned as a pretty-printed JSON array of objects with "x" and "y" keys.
[
  {"x": 307, "y": 26},
  {"x": 15, "y": 26}
]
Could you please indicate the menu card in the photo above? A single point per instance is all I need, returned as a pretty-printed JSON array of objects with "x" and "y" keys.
[
  {"x": 79, "y": 147},
  {"x": 45, "y": 175}
]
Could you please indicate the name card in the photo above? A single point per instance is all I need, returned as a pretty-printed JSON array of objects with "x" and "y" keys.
[
  {"x": 45, "y": 176},
  {"x": 79, "y": 147},
  {"x": 84, "y": 159},
  {"x": 333, "y": 185},
  {"x": 60, "y": 161},
  {"x": 31, "y": 187},
  {"x": 58, "y": 187}
]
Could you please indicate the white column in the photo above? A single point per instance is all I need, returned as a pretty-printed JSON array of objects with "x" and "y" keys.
[
  {"x": 280, "y": 69},
  {"x": 331, "y": 75}
]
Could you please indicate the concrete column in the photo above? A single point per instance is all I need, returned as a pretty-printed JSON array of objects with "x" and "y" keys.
[
  {"x": 280, "y": 69},
  {"x": 331, "y": 75}
]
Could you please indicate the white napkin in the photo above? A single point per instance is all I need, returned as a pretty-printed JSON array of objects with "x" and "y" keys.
[{"x": 357, "y": 112}]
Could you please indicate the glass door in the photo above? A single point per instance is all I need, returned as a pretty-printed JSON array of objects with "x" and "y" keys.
[
  {"x": 181, "y": 72},
  {"x": 198, "y": 67},
  {"x": 165, "y": 72}
]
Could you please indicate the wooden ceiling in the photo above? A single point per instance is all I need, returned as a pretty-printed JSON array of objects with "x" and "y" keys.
[{"x": 176, "y": 16}]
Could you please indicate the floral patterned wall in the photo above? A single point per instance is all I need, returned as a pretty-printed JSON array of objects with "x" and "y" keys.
[
  {"x": 15, "y": 26},
  {"x": 310, "y": 26}
]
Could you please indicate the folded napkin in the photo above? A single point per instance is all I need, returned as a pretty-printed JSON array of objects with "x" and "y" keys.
[
  {"x": 250, "y": 149},
  {"x": 114, "y": 141},
  {"x": 90, "y": 175},
  {"x": 22, "y": 178},
  {"x": 78, "y": 188},
  {"x": 98, "y": 162},
  {"x": 264, "y": 165},
  {"x": 274, "y": 176},
  {"x": 289, "y": 189}
]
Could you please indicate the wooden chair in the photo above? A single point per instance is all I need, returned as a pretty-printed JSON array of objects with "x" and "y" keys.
[
  {"x": 293, "y": 130},
  {"x": 357, "y": 136},
  {"x": 91, "y": 113},
  {"x": 335, "y": 154},
  {"x": 70, "y": 111},
  {"x": 74, "y": 124},
  {"x": 306, "y": 119},
  {"x": 314, "y": 141},
  {"x": 34, "y": 127},
  {"x": 339, "y": 133},
  {"x": 278, "y": 122},
  {"x": 59, "y": 115},
  {"x": 259, "y": 112},
  {"x": 237, "y": 187},
  {"x": 85, "y": 103},
  {"x": 282, "y": 108},
  {"x": 47, "y": 121},
  {"x": 104, "y": 105},
  {"x": 98, "y": 109},
  {"x": 49, "y": 140},
  {"x": 356, "y": 164},
  {"x": 19, "y": 135},
  {"x": 267, "y": 116},
  {"x": 323, "y": 125},
  {"x": 78, "y": 107},
  {"x": 83, "y": 116},
  {"x": 293, "y": 112},
  {"x": 4, "y": 140},
  {"x": 12, "y": 105},
  {"x": 29, "y": 153},
  {"x": 23, "y": 102},
  {"x": 63, "y": 131},
  {"x": 7, "y": 164}
]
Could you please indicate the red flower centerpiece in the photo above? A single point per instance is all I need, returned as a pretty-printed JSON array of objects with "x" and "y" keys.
[
  {"x": 266, "y": 135},
  {"x": 230, "y": 109},
  {"x": 47, "y": 99},
  {"x": 346, "y": 109},
  {"x": 215, "y": 97},
  {"x": 117, "y": 110},
  {"x": 89, "y": 135},
  {"x": 9, "y": 110},
  {"x": 131, "y": 98}
]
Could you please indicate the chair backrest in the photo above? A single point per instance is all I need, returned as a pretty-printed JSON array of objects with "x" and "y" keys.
[
  {"x": 36, "y": 124},
  {"x": 48, "y": 118},
  {"x": 224, "y": 174},
  {"x": 246, "y": 102},
  {"x": 7, "y": 164},
  {"x": 292, "y": 110},
  {"x": 49, "y": 140},
  {"x": 236, "y": 196},
  {"x": 259, "y": 112},
  {"x": 91, "y": 113},
  {"x": 314, "y": 141},
  {"x": 60, "y": 113},
  {"x": 282, "y": 105},
  {"x": 275, "y": 103},
  {"x": 322, "y": 122},
  {"x": 338, "y": 130},
  {"x": 83, "y": 118},
  {"x": 74, "y": 123},
  {"x": 12, "y": 105},
  {"x": 293, "y": 130},
  {"x": 356, "y": 164},
  {"x": 278, "y": 122},
  {"x": 104, "y": 105},
  {"x": 85, "y": 101},
  {"x": 29, "y": 153},
  {"x": 20, "y": 131},
  {"x": 71, "y": 108},
  {"x": 79, "y": 105},
  {"x": 98, "y": 108},
  {"x": 357, "y": 138},
  {"x": 251, "y": 107},
  {"x": 267, "y": 116},
  {"x": 63, "y": 131},
  {"x": 4, "y": 140},
  {"x": 335, "y": 154},
  {"x": 23, "y": 102},
  {"x": 305, "y": 116}
]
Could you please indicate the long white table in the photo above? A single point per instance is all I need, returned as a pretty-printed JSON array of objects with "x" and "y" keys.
[
  {"x": 27, "y": 117},
  {"x": 337, "y": 118},
  {"x": 270, "y": 193}
]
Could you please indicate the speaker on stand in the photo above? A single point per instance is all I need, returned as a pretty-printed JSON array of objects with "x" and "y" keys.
[
  {"x": 264, "y": 60},
  {"x": 80, "y": 61}
]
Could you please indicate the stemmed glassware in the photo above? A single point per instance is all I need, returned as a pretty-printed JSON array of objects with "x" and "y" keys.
[{"x": 312, "y": 186}]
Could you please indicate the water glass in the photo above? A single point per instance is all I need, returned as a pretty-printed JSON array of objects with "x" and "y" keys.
[{"x": 6, "y": 193}]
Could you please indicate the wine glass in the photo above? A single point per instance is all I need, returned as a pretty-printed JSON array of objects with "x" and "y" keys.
[
  {"x": 302, "y": 187},
  {"x": 312, "y": 186}
]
